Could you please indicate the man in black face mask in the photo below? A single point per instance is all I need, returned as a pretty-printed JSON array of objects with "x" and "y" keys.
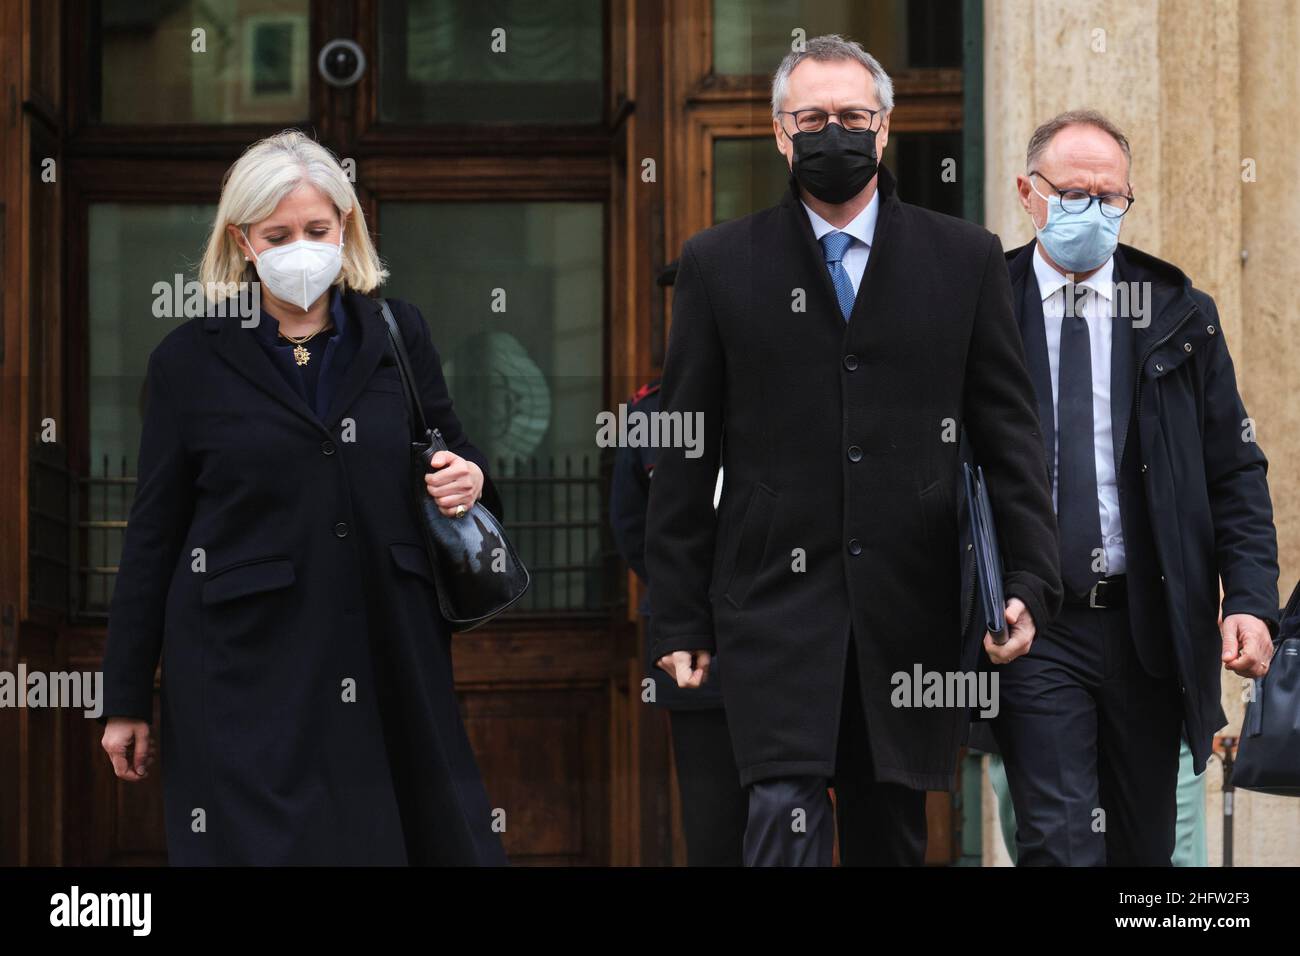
[{"x": 842, "y": 339}]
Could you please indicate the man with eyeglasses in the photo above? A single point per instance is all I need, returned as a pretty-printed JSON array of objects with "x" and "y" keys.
[
  {"x": 841, "y": 340},
  {"x": 1160, "y": 492}
]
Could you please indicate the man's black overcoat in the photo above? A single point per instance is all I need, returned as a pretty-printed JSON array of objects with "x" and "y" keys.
[{"x": 839, "y": 512}]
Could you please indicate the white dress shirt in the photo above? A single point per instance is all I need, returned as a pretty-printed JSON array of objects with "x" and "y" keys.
[
  {"x": 1096, "y": 307},
  {"x": 862, "y": 229}
]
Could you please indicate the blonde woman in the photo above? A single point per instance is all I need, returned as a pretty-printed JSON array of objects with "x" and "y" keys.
[{"x": 272, "y": 555}]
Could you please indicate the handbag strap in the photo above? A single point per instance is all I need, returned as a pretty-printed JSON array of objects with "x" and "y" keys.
[
  {"x": 419, "y": 428},
  {"x": 1290, "y": 609}
]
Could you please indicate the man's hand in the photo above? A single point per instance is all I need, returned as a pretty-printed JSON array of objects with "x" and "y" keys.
[
  {"x": 1020, "y": 624},
  {"x": 126, "y": 741},
  {"x": 690, "y": 668},
  {"x": 1247, "y": 645}
]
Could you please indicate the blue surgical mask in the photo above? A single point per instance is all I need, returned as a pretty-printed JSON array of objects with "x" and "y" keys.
[{"x": 1077, "y": 242}]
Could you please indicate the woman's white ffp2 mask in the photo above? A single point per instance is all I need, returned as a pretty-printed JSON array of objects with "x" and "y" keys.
[{"x": 300, "y": 271}]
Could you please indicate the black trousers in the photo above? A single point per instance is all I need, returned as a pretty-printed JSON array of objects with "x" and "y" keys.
[
  {"x": 713, "y": 801},
  {"x": 1090, "y": 742},
  {"x": 792, "y": 823}
]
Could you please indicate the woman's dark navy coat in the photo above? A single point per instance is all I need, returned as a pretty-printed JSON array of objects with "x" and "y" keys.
[{"x": 308, "y": 712}]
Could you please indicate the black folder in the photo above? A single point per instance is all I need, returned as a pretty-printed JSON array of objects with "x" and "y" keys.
[{"x": 988, "y": 556}]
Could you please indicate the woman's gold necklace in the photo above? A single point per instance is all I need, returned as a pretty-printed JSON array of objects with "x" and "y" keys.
[{"x": 300, "y": 354}]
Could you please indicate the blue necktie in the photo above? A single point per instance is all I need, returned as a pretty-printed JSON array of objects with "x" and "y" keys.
[{"x": 834, "y": 245}]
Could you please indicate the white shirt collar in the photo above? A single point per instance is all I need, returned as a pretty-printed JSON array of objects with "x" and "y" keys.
[
  {"x": 861, "y": 228},
  {"x": 1050, "y": 281}
]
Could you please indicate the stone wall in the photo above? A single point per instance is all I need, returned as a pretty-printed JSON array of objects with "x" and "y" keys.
[{"x": 1200, "y": 87}]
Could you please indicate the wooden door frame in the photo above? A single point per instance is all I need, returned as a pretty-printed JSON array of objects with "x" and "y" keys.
[
  {"x": 590, "y": 659},
  {"x": 30, "y": 315},
  {"x": 702, "y": 107}
]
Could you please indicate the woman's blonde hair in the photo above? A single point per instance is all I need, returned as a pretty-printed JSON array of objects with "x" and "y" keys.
[{"x": 267, "y": 172}]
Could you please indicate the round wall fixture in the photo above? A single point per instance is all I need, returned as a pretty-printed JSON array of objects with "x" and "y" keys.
[{"x": 341, "y": 62}]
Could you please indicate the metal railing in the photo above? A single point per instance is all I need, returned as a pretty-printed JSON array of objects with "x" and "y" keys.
[{"x": 50, "y": 516}]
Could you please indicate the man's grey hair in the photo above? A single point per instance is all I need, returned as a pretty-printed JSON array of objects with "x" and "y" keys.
[
  {"x": 832, "y": 47},
  {"x": 1047, "y": 132}
]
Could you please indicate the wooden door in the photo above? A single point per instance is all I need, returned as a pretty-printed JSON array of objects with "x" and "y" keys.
[{"x": 482, "y": 171}]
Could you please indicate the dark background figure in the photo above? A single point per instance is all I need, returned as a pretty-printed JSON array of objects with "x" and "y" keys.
[{"x": 714, "y": 805}]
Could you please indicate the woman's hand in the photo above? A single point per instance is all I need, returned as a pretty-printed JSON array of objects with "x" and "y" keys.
[
  {"x": 456, "y": 482},
  {"x": 126, "y": 741}
]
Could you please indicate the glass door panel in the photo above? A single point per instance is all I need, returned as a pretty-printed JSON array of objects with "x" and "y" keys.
[
  {"x": 750, "y": 38},
  {"x": 514, "y": 296},
  {"x": 132, "y": 247},
  {"x": 200, "y": 61},
  {"x": 749, "y": 174},
  {"x": 491, "y": 61}
]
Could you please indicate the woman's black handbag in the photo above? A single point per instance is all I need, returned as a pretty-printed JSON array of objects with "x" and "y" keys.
[
  {"x": 475, "y": 569},
  {"x": 1268, "y": 757}
]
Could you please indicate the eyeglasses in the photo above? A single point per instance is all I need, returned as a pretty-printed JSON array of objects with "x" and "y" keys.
[
  {"x": 1077, "y": 201},
  {"x": 813, "y": 121}
]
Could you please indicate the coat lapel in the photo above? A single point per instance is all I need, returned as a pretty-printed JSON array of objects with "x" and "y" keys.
[
  {"x": 810, "y": 251},
  {"x": 881, "y": 249},
  {"x": 1123, "y": 369},
  {"x": 238, "y": 347},
  {"x": 814, "y": 259},
  {"x": 365, "y": 312},
  {"x": 1029, "y": 315}
]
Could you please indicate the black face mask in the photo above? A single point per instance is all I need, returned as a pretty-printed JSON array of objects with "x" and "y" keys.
[{"x": 834, "y": 164}]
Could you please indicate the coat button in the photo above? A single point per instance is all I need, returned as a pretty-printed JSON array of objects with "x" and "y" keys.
[
  {"x": 327, "y": 447},
  {"x": 1210, "y": 329},
  {"x": 1144, "y": 469},
  {"x": 855, "y": 453},
  {"x": 1187, "y": 346},
  {"x": 851, "y": 362},
  {"x": 341, "y": 529},
  {"x": 855, "y": 548},
  {"x": 1159, "y": 367}
]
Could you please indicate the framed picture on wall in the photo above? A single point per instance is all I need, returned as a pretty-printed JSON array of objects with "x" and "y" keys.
[{"x": 274, "y": 64}]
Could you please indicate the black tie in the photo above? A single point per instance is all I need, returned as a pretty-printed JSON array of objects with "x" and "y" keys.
[{"x": 1077, "y": 514}]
